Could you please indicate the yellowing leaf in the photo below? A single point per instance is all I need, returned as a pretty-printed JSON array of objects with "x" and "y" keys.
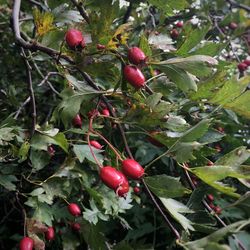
[
  {"x": 43, "y": 22},
  {"x": 120, "y": 37}
]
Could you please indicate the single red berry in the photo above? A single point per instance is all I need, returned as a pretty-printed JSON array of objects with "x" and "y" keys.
[
  {"x": 210, "y": 197},
  {"x": 156, "y": 72},
  {"x": 174, "y": 33},
  {"x": 211, "y": 205},
  {"x": 217, "y": 210},
  {"x": 136, "y": 55},
  {"x": 242, "y": 67},
  {"x": 220, "y": 129},
  {"x": 111, "y": 177},
  {"x": 95, "y": 144},
  {"x": 179, "y": 24},
  {"x": 247, "y": 62},
  {"x": 50, "y": 234},
  {"x": 26, "y": 243},
  {"x": 51, "y": 151},
  {"x": 123, "y": 187},
  {"x": 74, "y": 38},
  {"x": 153, "y": 140},
  {"x": 134, "y": 76},
  {"x": 74, "y": 209},
  {"x": 100, "y": 46},
  {"x": 137, "y": 190},
  {"x": 132, "y": 169},
  {"x": 210, "y": 163},
  {"x": 105, "y": 112},
  {"x": 76, "y": 226},
  {"x": 77, "y": 121},
  {"x": 233, "y": 25}
]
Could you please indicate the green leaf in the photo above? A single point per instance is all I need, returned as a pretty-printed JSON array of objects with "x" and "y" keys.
[
  {"x": 6, "y": 134},
  {"x": 176, "y": 209},
  {"x": 166, "y": 186},
  {"x": 43, "y": 213},
  {"x": 153, "y": 100},
  {"x": 179, "y": 76},
  {"x": 192, "y": 39},
  {"x": 23, "y": 151},
  {"x": 214, "y": 237},
  {"x": 39, "y": 159},
  {"x": 83, "y": 152},
  {"x": 144, "y": 45},
  {"x": 7, "y": 181}
]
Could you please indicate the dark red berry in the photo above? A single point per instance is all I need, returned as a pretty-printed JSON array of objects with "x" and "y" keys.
[
  {"x": 247, "y": 62},
  {"x": 124, "y": 186},
  {"x": 136, "y": 55},
  {"x": 111, "y": 177},
  {"x": 51, "y": 151},
  {"x": 74, "y": 209},
  {"x": 211, "y": 205},
  {"x": 50, "y": 234},
  {"x": 210, "y": 197},
  {"x": 77, "y": 121},
  {"x": 217, "y": 210},
  {"x": 134, "y": 76},
  {"x": 95, "y": 144},
  {"x": 100, "y": 46},
  {"x": 74, "y": 38},
  {"x": 210, "y": 163},
  {"x": 174, "y": 33},
  {"x": 179, "y": 24},
  {"x": 242, "y": 67},
  {"x": 76, "y": 226},
  {"x": 233, "y": 25},
  {"x": 105, "y": 112},
  {"x": 132, "y": 169},
  {"x": 137, "y": 190},
  {"x": 26, "y": 243}
]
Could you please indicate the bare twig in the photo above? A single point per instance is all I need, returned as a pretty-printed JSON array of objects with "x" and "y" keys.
[
  {"x": 238, "y": 5},
  {"x": 128, "y": 12},
  {"x": 21, "y": 107},
  {"x": 31, "y": 91},
  {"x": 82, "y": 11}
]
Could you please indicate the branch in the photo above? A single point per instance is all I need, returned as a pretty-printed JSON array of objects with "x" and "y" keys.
[
  {"x": 81, "y": 10},
  {"x": 31, "y": 91},
  {"x": 238, "y": 5},
  {"x": 128, "y": 12},
  {"x": 21, "y": 107}
]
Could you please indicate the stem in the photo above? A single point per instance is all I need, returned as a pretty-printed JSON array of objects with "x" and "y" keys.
[{"x": 81, "y": 10}]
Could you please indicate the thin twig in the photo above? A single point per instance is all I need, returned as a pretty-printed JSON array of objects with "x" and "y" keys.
[
  {"x": 31, "y": 92},
  {"x": 81, "y": 10},
  {"x": 238, "y": 5}
]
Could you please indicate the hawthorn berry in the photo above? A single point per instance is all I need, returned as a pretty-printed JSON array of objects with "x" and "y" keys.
[
  {"x": 132, "y": 169},
  {"x": 76, "y": 226},
  {"x": 233, "y": 25},
  {"x": 74, "y": 209},
  {"x": 136, "y": 55},
  {"x": 26, "y": 243},
  {"x": 137, "y": 190},
  {"x": 95, "y": 144},
  {"x": 242, "y": 66},
  {"x": 174, "y": 33},
  {"x": 77, "y": 121},
  {"x": 134, "y": 76},
  {"x": 50, "y": 234},
  {"x": 179, "y": 24},
  {"x": 210, "y": 163},
  {"x": 217, "y": 210},
  {"x": 51, "y": 151},
  {"x": 74, "y": 38},
  {"x": 123, "y": 187},
  {"x": 247, "y": 62},
  {"x": 211, "y": 205},
  {"x": 100, "y": 46},
  {"x": 105, "y": 112},
  {"x": 210, "y": 197}
]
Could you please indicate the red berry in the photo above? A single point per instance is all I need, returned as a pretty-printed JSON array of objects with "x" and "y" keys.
[
  {"x": 105, "y": 112},
  {"x": 51, "y": 151},
  {"x": 220, "y": 129},
  {"x": 210, "y": 197},
  {"x": 156, "y": 72},
  {"x": 50, "y": 234},
  {"x": 134, "y": 76},
  {"x": 174, "y": 33},
  {"x": 233, "y": 25},
  {"x": 95, "y": 144},
  {"x": 211, "y": 205},
  {"x": 247, "y": 62},
  {"x": 179, "y": 24},
  {"x": 132, "y": 169},
  {"x": 124, "y": 186},
  {"x": 74, "y": 38},
  {"x": 136, "y": 55},
  {"x": 26, "y": 243},
  {"x": 76, "y": 226},
  {"x": 153, "y": 140},
  {"x": 210, "y": 163},
  {"x": 242, "y": 66},
  {"x": 77, "y": 121},
  {"x": 100, "y": 46},
  {"x": 74, "y": 209},
  {"x": 111, "y": 177},
  {"x": 137, "y": 190},
  {"x": 217, "y": 210}
]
